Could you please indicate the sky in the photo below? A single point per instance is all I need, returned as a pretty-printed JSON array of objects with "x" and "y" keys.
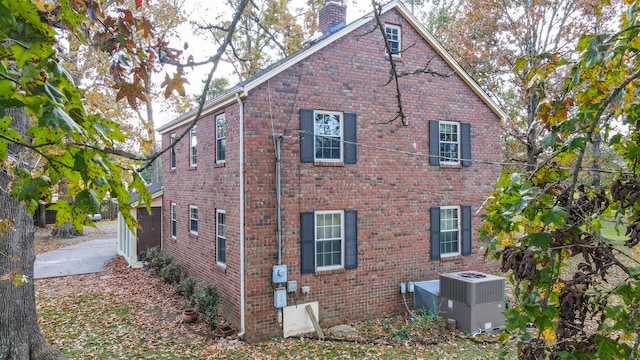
[{"x": 203, "y": 11}]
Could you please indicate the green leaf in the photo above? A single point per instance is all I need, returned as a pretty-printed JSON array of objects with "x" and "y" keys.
[
  {"x": 584, "y": 41},
  {"x": 615, "y": 139},
  {"x": 521, "y": 65},
  {"x": 52, "y": 92},
  {"x": 27, "y": 188},
  {"x": 52, "y": 116},
  {"x": 88, "y": 201},
  {"x": 540, "y": 240},
  {"x": 549, "y": 140},
  {"x": 27, "y": 11},
  {"x": 555, "y": 215},
  {"x": 63, "y": 211},
  {"x": 577, "y": 142},
  {"x": 607, "y": 348}
]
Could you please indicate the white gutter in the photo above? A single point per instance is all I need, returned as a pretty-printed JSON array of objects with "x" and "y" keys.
[{"x": 241, "y": 160}]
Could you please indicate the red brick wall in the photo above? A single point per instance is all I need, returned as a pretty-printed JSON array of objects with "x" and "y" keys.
[
  {"x": 391, "y": 190},
  {"x": 392, "y": 185},
  {"x": 209, "y": 186}
]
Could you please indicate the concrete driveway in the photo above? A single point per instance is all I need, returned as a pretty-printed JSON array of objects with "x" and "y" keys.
[{"x": 84, "y": 258}]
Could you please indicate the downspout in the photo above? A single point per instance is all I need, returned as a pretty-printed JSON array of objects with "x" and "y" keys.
[
  {"x": 279, "y": 198},
  {"x": 241, "y": 161}
]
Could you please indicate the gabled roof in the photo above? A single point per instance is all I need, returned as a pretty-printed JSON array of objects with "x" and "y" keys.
[
  {"x": 243, "y": 88},
  {"x": 155, "y": 189}
]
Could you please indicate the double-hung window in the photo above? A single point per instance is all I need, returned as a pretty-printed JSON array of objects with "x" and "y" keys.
[
  {"x": 449, "y": 133},
  {"x": 193, "y": 219},
  {"x": 193, "y": 146},
  {"x": 329, "y": 240},
  {"x": 328, "y": 136},
  {"x": 174, "y": 221},
  {"x": 393, "y": 38},
  {"x": 173, "y": 151},
  {"x": 450, "y": 231},
  {"x": 221, "y": 238},
  {"x": 449, "y": 143},
  {"x": 221, "y": 135}
]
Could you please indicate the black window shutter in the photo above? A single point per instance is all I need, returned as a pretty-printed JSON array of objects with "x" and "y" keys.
[
  {"x": 306, "y": 135},
  {"x": 466, "y": 230},
  {"x": 351, "y": 239},
  {"x": 435, "y": 233},
  {"x": 434, "y": 142},
  {"x": 465, "y": 143},
  {"x": 307, "y": 243},
  {"x": 350, "y": 150}
]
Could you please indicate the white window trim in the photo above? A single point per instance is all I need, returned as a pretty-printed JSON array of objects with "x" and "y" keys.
[
  {"x": 174, "y": 220},
  {"x": 443, "y": 160},
  {"x": 341, "y": 159},
  {"x": 193, "y": 163},
  {"x": 450, "y": 254},
  {"x": 192, "y": 207},
  {"x": 342, "y": 240},
  {"x": 172, "y": 153},
  {"x": 224, "y": 237},
  {"x": 391, "y": 26}
]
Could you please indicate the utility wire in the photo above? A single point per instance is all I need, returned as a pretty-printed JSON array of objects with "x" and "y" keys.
[{"x": 498, "y": 163}]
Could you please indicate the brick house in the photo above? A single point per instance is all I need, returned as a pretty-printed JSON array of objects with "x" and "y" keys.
[{"x": 294, "y": 188}]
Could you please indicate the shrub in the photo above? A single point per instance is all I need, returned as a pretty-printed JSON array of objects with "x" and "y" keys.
[
  {"x": 156, "y": 259},
  {"x": 172, "y": 272},
  {"x": 206, "y": 300},
  {"x": 188, "y": 287},
  {"x": 150, "y": 254},
  {"x": 201, "y": 295}
]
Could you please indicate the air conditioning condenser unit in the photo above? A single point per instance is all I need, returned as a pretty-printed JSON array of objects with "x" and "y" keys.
[{"x": 474, "y": 299}]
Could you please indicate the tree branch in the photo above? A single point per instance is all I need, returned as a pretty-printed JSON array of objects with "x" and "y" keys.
[
  {"x": 215, "y": 60},
  {"x": 393, "y": 72}
]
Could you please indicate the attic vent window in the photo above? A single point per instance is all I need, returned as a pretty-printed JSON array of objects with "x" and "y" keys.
[
  {"x": 221, "y": 138},
  {"x": 173, "y": 151},
  {"x": 193, "y": 146},
  {"x": 393, "y": 37}
]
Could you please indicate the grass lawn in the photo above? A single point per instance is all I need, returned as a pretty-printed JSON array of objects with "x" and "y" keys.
[
  {"x": 130, "y": 314},
  {"x": 610, "y": 231}
]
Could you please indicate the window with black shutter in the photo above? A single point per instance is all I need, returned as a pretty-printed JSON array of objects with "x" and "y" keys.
[
  {"x": 449, "y": 143},
  {"x": 327, "y": 136},
  {"x": 450, "y": 231},
  {"x": 328, "y": 240}
]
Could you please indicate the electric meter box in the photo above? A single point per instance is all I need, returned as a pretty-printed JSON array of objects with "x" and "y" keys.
[{"x": 279, "y": 274}]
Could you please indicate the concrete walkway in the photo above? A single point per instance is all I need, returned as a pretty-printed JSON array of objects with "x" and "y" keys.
[{"x": 84, "y": 258}]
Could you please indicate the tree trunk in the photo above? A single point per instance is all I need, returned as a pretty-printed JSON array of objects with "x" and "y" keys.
[
  {"x": 20, "y": 336},
  {"x": 41, "y": 216},
  {"x": 66, "y": 231}
]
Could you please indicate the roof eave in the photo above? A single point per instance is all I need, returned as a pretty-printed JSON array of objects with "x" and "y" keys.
[{"x": 209, "y": 107}]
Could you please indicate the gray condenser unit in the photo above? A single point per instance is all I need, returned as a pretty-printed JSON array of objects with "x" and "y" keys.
[
  {"x": 426, "y": 296},
  {"x": 475, "y": 300}
]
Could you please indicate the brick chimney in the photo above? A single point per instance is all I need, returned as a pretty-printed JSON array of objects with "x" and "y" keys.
[{"x": 333, "y": 13}]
